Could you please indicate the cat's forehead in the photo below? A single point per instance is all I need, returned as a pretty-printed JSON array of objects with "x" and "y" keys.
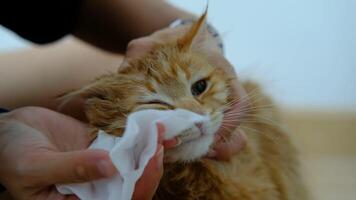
[{"x": 180, "y": 66}]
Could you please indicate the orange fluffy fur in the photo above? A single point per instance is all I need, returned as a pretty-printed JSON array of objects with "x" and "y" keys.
[{"x": 267, "y": 169}]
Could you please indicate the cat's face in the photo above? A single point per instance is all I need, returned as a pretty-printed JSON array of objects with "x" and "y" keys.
[
  {"x": 174, "y": 75},
  {"x": 172, "y": 79}
]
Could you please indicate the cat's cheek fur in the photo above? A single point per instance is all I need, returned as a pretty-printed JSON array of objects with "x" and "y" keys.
[{"x": 190, "y": 151}]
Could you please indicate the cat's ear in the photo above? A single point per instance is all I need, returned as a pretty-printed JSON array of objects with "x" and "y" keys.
[
  {"x": 97, "y": 90},
  {"x": 197, "y": 37},
  {"x": 97, "y": 99},
  {"x": 80, "y": 93}
]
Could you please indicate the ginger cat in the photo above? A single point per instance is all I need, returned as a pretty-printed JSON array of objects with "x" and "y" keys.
[{"x": 179, "y": 75}]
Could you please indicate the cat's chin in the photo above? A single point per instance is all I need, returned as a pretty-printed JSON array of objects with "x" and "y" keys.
[{"x": 190, "y": 151}]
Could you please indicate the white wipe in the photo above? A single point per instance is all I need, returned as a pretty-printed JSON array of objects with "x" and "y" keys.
[{"x": 131, "y": 153}]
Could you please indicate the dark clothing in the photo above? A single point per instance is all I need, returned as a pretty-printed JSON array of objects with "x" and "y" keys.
[
  {"x": 40, "y": 21},
  {"x": 3, "y": 110}
]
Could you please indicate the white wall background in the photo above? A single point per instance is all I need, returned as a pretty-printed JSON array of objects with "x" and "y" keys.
[{"x": 303, "y": 51}]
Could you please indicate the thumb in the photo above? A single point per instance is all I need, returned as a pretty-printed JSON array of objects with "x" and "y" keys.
[
  {"x": 77, "y": 166},
  {"x": 137, "y": 48},
  {"x": 227, "y": 148},
  {"x": 147, "y": 185}
]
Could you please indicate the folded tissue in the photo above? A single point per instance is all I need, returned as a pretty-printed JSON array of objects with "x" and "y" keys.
[{"x": 131, "y": 152}]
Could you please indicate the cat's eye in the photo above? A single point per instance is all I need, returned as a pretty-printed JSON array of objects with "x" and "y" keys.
[{"x": 199, "y": 87}]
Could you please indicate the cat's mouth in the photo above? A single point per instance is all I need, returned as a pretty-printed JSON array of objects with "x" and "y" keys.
[
  {"x": 190, "y": 137},
  {"x": 193, "y": 134},
  {"x": 194, "y": 142}
]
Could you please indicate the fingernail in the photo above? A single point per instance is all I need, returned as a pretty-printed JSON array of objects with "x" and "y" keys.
[
  {"x": 160, "y": 157},
  {"x": 106, "y": 168}
]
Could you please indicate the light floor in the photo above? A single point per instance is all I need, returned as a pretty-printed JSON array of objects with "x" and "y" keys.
[
  {"x": 331, "y": 177},
  {"x": 327, "y": 143}
]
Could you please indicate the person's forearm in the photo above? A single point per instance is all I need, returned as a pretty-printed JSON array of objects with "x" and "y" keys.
[
  {"x": 111, "y": 24},
  {"x": 35, "y": 77}
]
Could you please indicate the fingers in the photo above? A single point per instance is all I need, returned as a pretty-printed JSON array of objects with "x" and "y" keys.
[
  {"x": 142, "y": 46},
  {"x": 168, "y": 144},
  {"x": 147, "y": 185},
  {"x": 160, "y": 130},
  {"x": 136, "y": 49},
  {"x": 86, "y": 165},
  {"x": 149, "y": 181},
  {"x": 224, "y": 150},
  {"x": 78, "y": 166}
]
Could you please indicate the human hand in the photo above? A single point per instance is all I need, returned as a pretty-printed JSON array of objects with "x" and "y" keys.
[
  {"x": 227, "y": 142},
  {"x": 40, "y": 148}
]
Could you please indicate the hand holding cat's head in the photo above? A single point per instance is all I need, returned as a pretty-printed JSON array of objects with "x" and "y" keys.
[
  {"x": 140, "y": 47},
  {"x": 172, "y": 68}
]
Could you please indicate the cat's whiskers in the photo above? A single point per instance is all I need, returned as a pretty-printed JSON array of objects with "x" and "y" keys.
[
  {"x": 247, "y": 107},
  {"x": 223, "y": 136},
  {"x": 246, "y": 114},
  {"x": 250, "y": 107},
  {"x": 247, "y": 97},
  {"x": 254, "y": 118},
  {"x": 256, "y": 131}
]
